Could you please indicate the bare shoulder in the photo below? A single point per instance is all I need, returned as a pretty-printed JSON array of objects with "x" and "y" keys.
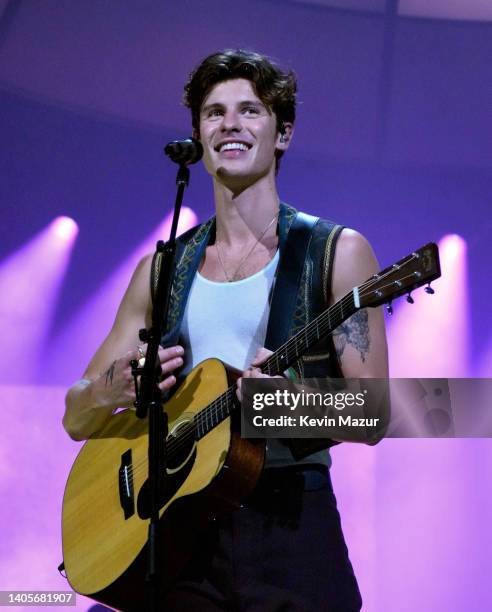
[
  {"x": 138, "y": 292},
  {"x": 354, "y": 262},
  {"x": 142, "y": 271},
  {"x": 353, "y": 241}
]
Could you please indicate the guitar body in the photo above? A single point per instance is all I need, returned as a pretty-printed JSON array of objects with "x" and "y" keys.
[{"x": 105, "y": 505}]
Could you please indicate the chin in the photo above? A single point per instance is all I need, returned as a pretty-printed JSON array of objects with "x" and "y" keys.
[{"x": 241, "y": 174}]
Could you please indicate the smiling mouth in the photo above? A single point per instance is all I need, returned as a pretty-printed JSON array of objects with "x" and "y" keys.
[{"x": 232, "y": 146}]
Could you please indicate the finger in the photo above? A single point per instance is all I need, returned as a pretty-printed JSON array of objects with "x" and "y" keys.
[
  {"x": 124, "y": 364},
  {"x": 172, "y": 364},
  {"x": 255, "y": 373},
  {"x": 126, "y": 374},
  {"x": 238, "y": 389},
  {"x": 165, "y": 354},
  {"x": 167, "y": 383},
  {"x": 130, "y": 394},
  {"x": 249, "y": 372},
  {"x": 132, "y": 355},
  {"x": 262, "y": 355}
]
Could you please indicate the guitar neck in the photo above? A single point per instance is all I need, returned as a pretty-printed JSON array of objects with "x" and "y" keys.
[
  {"x": 280, "y": 360},
  {"x": 310, "y": 335}
]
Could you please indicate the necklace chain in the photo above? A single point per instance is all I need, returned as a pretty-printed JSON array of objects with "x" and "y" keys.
[{"x": 234, "y": 276}]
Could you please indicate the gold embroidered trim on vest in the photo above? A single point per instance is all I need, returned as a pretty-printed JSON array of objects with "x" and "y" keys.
[
  {"x": 326, "y": 265},
  {"x": 181, "y": 271},
  {"x": 155, "y": 272}
]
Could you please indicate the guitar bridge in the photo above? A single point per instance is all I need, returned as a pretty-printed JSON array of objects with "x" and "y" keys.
[{"x": 125, "y": 474}]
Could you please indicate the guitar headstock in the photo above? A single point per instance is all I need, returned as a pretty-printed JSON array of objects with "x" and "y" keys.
[{"x": 417, "y": 269}]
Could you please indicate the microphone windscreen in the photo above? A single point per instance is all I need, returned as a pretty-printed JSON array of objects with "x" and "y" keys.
[{"x": 184, "y": 152}]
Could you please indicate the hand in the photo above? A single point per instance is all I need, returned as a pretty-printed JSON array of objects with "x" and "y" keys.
[
  {"x": 254, "y": 371},
  {"x": 116, "y": 386}
]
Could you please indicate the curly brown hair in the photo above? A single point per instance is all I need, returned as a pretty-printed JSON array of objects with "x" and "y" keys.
[{"x": 275, "y": 88}]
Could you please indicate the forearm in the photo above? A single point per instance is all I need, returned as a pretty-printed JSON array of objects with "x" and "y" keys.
[
  {"x": 86, "y": 410},
  {"x": 91, "y": 402}
]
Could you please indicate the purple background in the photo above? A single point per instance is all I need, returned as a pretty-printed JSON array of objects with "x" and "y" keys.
[{"x": 394, "y": 138}]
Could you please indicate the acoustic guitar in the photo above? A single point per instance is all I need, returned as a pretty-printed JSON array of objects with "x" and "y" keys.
[{"x": 210, "y": 467}]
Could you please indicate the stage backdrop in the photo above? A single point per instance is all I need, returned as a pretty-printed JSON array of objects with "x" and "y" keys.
[{"x": 393, "y": 138}]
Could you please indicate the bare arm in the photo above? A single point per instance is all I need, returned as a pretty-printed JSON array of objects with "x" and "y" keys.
[
  {"x": 360, "y": 342},
  {"x": 107, "y": 383}
]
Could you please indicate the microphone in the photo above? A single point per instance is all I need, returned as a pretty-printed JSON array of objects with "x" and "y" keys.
[{"x": 184, "y": 152}]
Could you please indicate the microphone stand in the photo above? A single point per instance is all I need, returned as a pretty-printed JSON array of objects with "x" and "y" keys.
[{"x": 149, "y": 399}]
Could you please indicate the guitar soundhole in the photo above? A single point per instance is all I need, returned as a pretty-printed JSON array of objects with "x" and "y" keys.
[
  {"x": 180, "y": 460},
  {"x": 180, "y": 443}
]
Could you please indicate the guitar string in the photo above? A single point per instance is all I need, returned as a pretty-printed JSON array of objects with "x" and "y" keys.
[{"x": 222, "y": 401}]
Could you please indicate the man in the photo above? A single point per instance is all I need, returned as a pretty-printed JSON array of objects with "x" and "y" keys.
[{"x": 284, "y": 549}]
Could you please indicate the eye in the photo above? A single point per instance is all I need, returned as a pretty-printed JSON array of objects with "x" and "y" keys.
[
  {"x": 251, "y": 110},
  {"x": 214, "y": 112}
]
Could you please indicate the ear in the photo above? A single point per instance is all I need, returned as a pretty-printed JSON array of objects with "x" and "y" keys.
[
  {"x": 195, "y": 134},
  {"x": 284, "y": 139}
]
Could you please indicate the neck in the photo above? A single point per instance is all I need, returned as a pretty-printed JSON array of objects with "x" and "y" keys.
[{"x": 243, "y": 215}]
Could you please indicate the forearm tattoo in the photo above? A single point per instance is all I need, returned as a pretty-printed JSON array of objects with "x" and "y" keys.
[
  {"x": 109, "y": 374},
  {"x": 355, "y": 331}
]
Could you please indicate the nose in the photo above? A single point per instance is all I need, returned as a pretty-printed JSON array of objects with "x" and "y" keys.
[{"x": 231, "y": 121}]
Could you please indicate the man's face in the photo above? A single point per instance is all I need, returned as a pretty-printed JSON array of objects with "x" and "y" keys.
[{"x": 239, "y": 134}]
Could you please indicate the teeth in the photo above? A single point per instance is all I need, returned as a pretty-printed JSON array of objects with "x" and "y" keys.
[{"x": 233, "y": 146}]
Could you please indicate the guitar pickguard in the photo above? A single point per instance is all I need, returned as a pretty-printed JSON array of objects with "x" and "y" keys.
[{"x": 172, "y": 484}]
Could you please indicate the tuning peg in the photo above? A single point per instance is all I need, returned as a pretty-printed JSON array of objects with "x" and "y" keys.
[
  {"x": 410, "y": 299},
  {"x": 429, "y": 289},
  {"x": 389, "y": 308}
]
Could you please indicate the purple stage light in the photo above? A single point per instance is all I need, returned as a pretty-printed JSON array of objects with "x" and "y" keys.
[
  {"x": 451, "y": 247},
  {"x": 431, "y": 337},
  {"x": 87, "y": 329},
  {"x": 65, "y": 228},
  {"x": 30, "y": 280}
]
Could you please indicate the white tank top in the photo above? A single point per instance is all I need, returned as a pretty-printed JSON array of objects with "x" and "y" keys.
[{"x": 227, "y": 320}]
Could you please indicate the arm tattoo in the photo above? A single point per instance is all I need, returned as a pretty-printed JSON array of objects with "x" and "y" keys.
[
  {"x": 354, "y": 331},
  {"x": 109, "y": 374}
]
